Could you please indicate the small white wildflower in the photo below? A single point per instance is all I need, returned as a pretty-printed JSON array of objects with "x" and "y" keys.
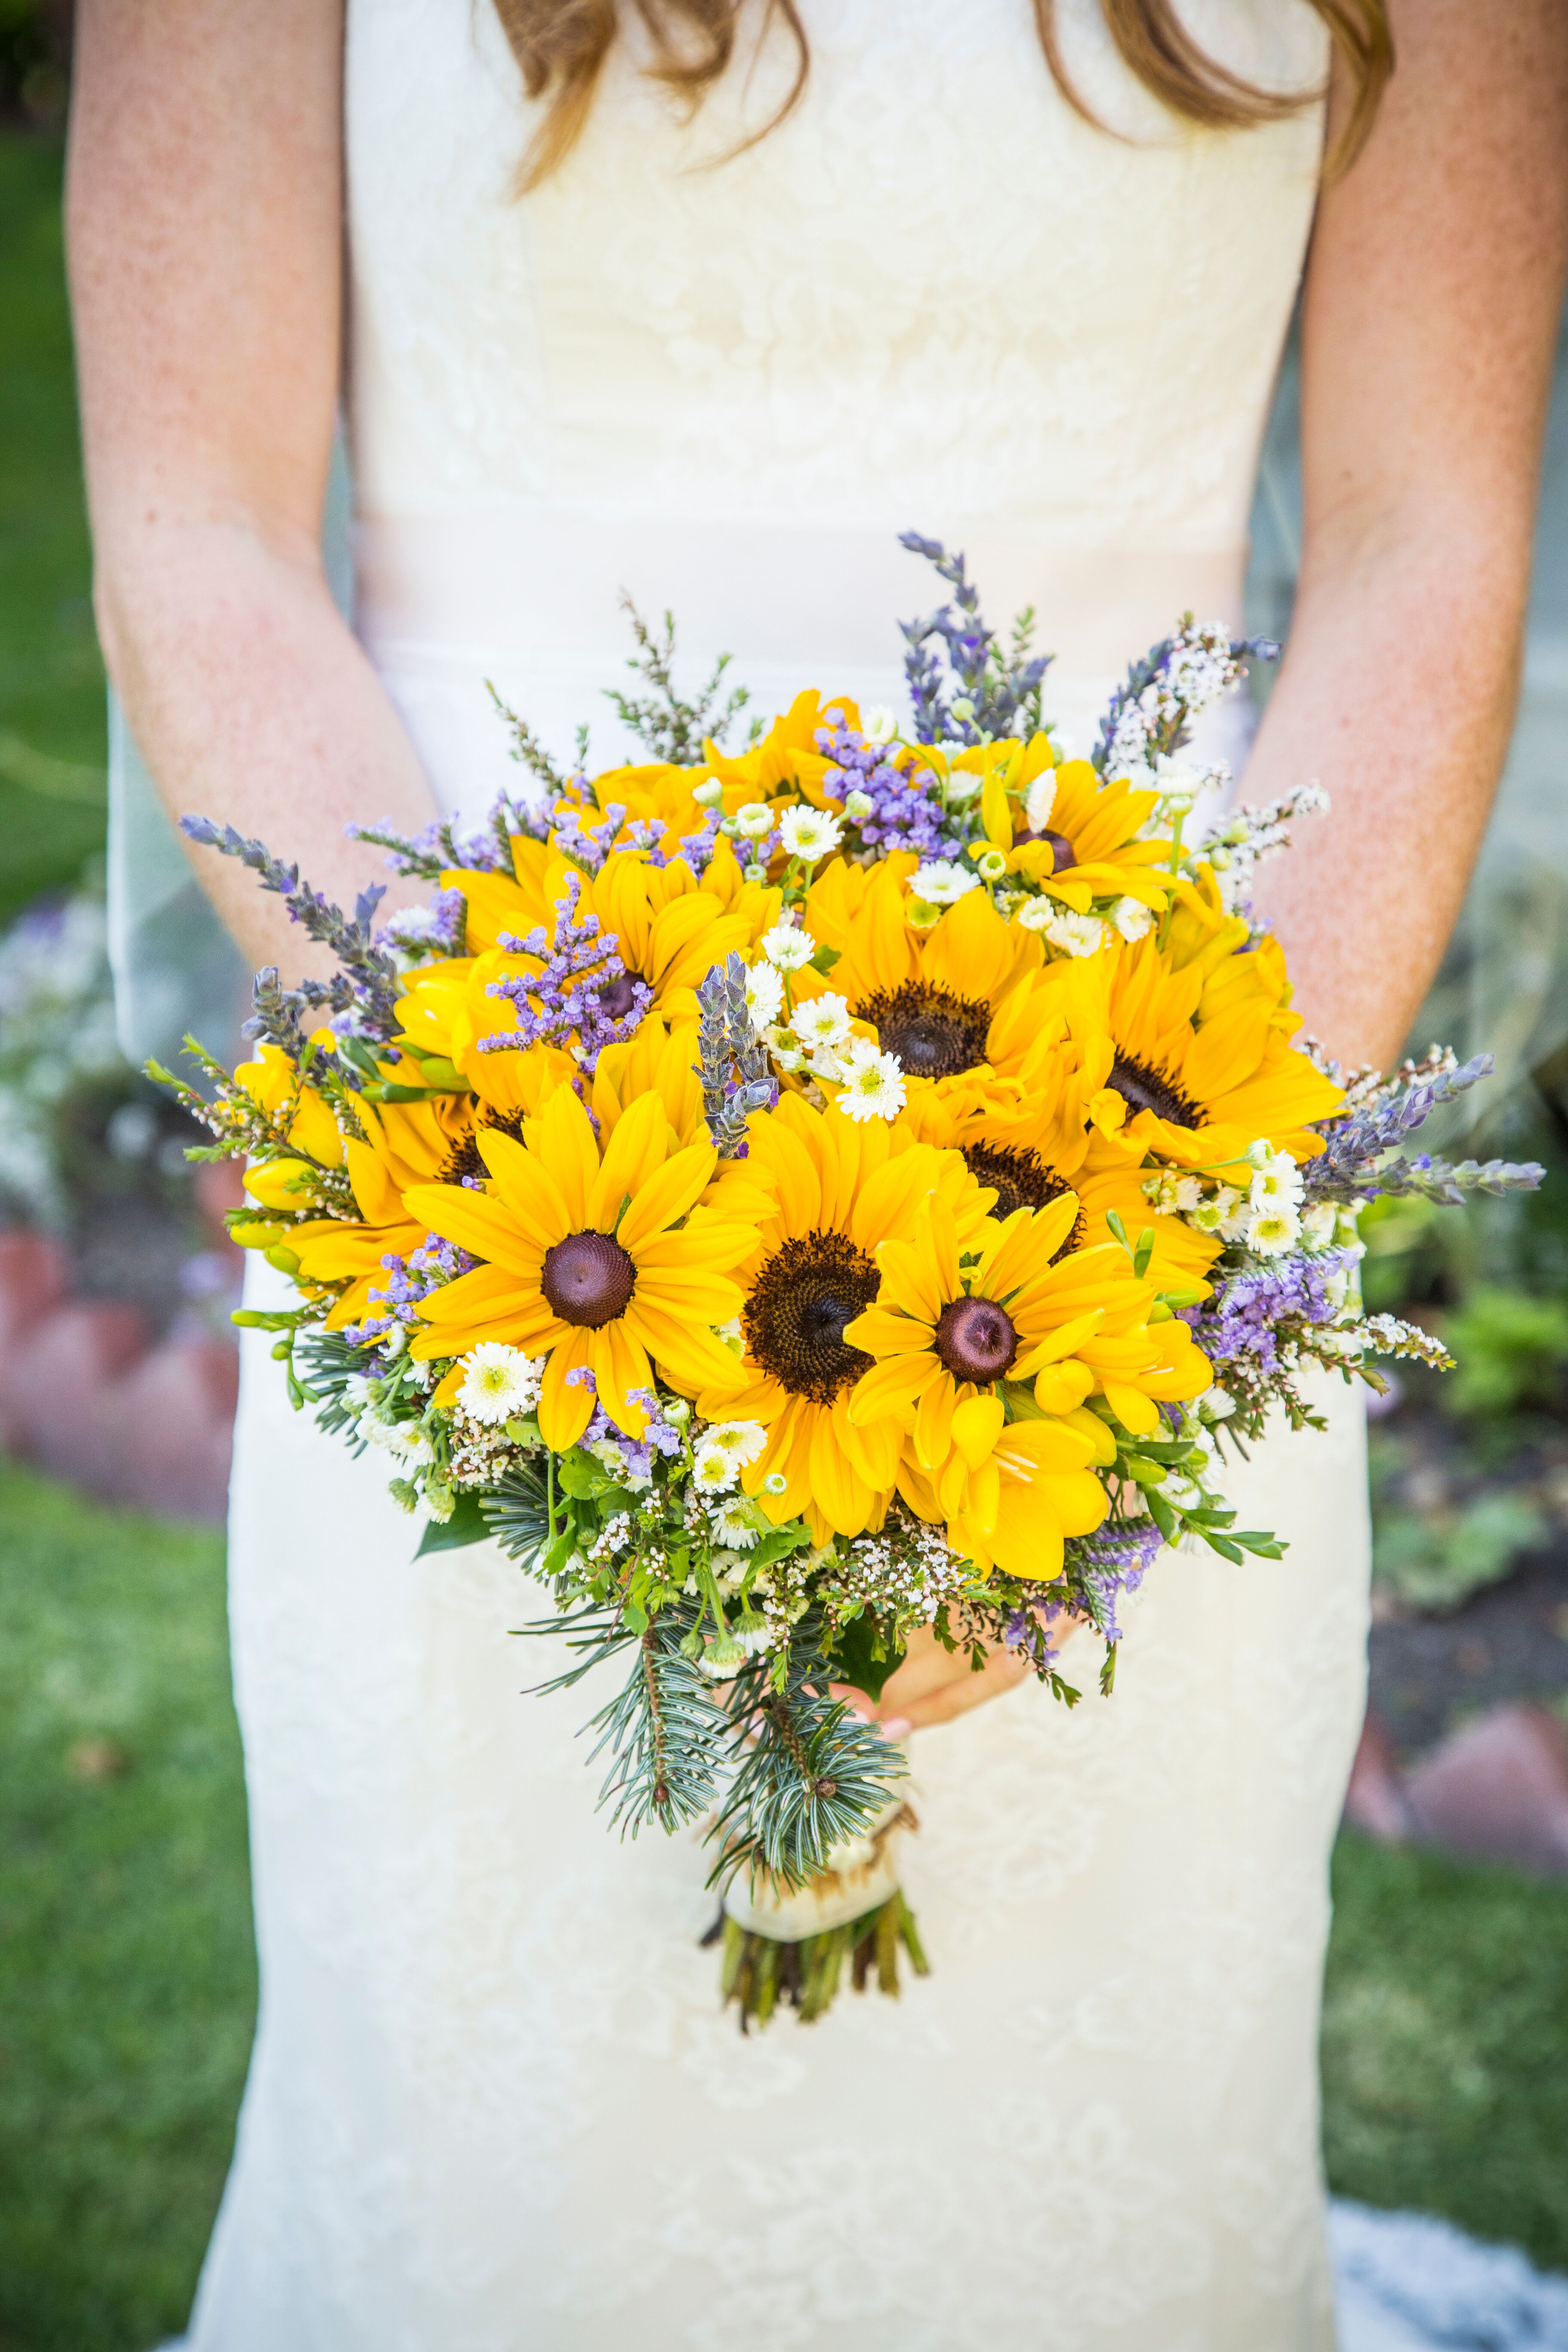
[
  {"x": 784, "y": 1050},
  {"x": 1217, "y": 1404},
  {"x": 1131, "y": 917},
  {"x": 402, "y": 1439},
  {"x": 753, "y": 820},
  {"x": 742, "y": 1440},
  {"x": 859, "y": 807},
  {"x": 786, "y": 949},
  {"x": 1319, "y": 1224},
  {"x": 732, "y": 1526},
  {"x": 731, "y": 1335},
  {"x": 822, "y": 1023},
  {"x": 873, "y": 1087},
  {"x": 1186, "y": 1195},
  {"x": 879, "y": 724},
  {"x": 964, "y": 784},
  {"x": 499, "y": 1382},
  {"x": 1036, "y": 915},
  {"x": 1278, "y": 1183},
  {"x": 774, "y": 1483},
  {"x": 1235, "y": 1214},
  {"x": 713, "y": 1470},
  {"x": 810, "y": 833},
  {"x": 940, "y": 881},
  {"x": 962, "y": 707},
  {"x": 1076, "y": 935},
  {"x": 1272, "y": 1231},
  {"x": 1041, "y": 801},
  {"x": 355, "y": 1392},
  {"x": 764, "y": 995},
  {"x": 992, "y": 866},
  {"x": 677, "y": 1411},
  {"x": 709, "y": 792}
]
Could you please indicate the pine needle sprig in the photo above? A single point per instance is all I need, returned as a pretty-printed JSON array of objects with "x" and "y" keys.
[{"x": 810, "y": 1773}]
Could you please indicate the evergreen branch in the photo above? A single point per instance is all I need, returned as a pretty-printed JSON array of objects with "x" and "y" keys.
[{"x": 528, "y": 751}]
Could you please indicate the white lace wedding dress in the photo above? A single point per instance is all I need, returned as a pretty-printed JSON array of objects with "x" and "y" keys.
[{"x": 494, "y": 2105}]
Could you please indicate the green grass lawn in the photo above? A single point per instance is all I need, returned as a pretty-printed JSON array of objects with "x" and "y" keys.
[
  {"x": 126, "y": 1969},
  {"x": 126, "y": 1982},
  {"x": 51, "y": 680}
]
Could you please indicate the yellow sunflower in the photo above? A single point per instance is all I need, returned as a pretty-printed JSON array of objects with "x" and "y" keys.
[
  {"x": 1195, "y": 1038},
  {"x": 839, "y": 1189},
  {"x": 1009, "y": 1491},
  {"x": 786, "y": 762},
  {"x": 593, "y": 1259},
  {"x": 1052, "y": 1129},
  {"x": 1014, "y": 1305},
  {"x": 406, "y": 1144},
  {"x": 953, "y": 997},
  {"x": 1070, "y": 833}
]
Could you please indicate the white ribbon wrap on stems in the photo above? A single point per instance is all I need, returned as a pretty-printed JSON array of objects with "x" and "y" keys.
[{"x": 860, "y": 1875}]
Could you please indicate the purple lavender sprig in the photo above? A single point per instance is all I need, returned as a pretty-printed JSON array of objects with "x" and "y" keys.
[
  {"x": 367, "y": 987},
  {"x": 1354, "y": 1166},
  {"x": 733, "y": 1069},
  {"x": 906, "y": 811},
  {"x": 1001, "y": 689},
  {"x": 1151, "y": 713},
  {"x": 439, "y": 847},
  {"x": 584, "y": 991}
]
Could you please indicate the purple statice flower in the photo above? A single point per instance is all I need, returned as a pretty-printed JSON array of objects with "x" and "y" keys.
[
  {"x": 425, "y": 1269},
  {"x": 584, "y": 990},
  {"x": 636, "y": 1452},
  {"x": 906, "y": 811},
  {"x": 583, "y": 1376},
  {"x": 588, "y": 845},
  {"x": 434, "y": 929},
  {"x": 1247, "y": 1315}
]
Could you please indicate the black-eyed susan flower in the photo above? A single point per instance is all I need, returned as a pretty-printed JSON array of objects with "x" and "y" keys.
[
  {"x": 1194, "y": 1035},
  {"x": 1009, "y": 1491},
  {"x": 838, "y": 1189},
  {"x": 594, "y": 1260}
]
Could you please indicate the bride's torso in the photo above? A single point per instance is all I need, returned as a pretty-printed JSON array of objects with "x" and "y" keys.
[{"x": 933, "y": 298}]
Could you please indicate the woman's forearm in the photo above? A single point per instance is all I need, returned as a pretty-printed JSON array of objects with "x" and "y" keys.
[
  {"x": 253, "y": 704},
  {"x": 1396, "y": 695}
]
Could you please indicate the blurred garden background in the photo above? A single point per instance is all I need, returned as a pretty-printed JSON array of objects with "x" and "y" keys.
[{"x": 126, "y": 1971}]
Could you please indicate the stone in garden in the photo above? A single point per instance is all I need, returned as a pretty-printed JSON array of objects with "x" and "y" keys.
[
  {"x": 1497, "y": 1789},
  {"x": 1375, "y": 1801}
]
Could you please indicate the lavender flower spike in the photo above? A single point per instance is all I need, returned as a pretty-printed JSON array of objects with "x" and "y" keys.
[{"x": 736, "y": 1079}]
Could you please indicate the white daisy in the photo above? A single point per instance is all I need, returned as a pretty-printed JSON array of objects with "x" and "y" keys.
[
  {"x": 1272, "y": 1231},
  {"x": 731, "y": 1524},
  {"x": 810, "y": 833},
  {"x": 859, "y": 807},
  {"x": 1131, "y": 917},
  {"x": 879, "y": 724},
  {"x": 400, "y": 1439},
  {"x": 742, "y": 1440},
  {"x": 764, "y": 995},
  {"x": 498, "y": 1382},
  {"x": 1319, "y": 1223},
  {"x": 786, "y": 949},
  {"x": 1041, "y": 801},
  {"x": 753, "y": 820},
  {"x": 873, "y": 1087},
  {"x": 1075, "y": 935},
  {"x": 714, "y": 1470},
  {"x": 940, "y": 881},
  {"x": 1035, "y": 914},
  {"x": 822, "y": 1025},
  {"x": 1278, "y": 1183}
]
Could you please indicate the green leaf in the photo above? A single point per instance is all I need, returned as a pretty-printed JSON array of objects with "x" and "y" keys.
[
  {"x": 853, "y": 1656},
  {"x": 578, "y": 1475},
  {"x": 467, "y": 1524},
  {"x": 825, "y": 959}
]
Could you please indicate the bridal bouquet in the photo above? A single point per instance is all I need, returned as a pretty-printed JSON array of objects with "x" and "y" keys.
[{"x": 792, "y": 1196}]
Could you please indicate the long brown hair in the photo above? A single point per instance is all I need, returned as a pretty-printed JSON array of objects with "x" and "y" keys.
[{"x": 562, "y": 45}]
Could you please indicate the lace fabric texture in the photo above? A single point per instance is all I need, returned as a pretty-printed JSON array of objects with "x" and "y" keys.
[{"x": 493, "y": 2103}]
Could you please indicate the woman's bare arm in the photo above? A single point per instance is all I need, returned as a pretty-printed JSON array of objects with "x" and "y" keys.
[
  {"x": 205, "y": 221},
  {"x": 1431, "y": 301}
]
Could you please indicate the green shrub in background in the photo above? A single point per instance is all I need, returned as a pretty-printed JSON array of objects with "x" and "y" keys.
[{"x": 1511, "y": 1351}]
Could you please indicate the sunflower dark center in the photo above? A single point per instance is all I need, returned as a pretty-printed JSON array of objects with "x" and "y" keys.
[
  {"x": 588, "y": 1279},
  {"x": 1021, "y": 1179},
  {"x": 1062, "y": 849},
  {"x": 976, "y": 1340},
  {"x": 617, "y": 997},
  {"x": 463, "y": 1162},
  {"x": 793, "y": 1321},
  {"x": 934, "y": 1032},
  {"x": 1141, "y": 1089}
]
